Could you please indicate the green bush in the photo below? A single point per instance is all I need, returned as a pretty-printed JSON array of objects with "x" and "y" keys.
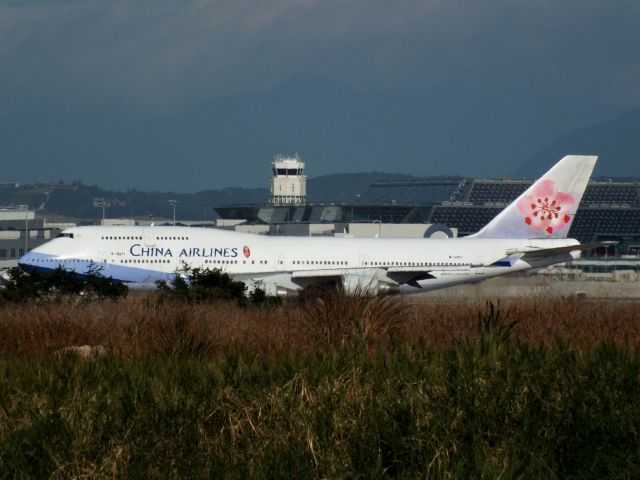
[
  {"x": 211, "y": 285},
  {"x": 258, "y": 296},
  {"x": 24, "y": 286},
  {"x": 202, "y": 285},
  {"x": 103, "y": 287}
]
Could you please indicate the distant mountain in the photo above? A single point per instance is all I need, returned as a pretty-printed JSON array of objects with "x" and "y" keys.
[
  {"x": 443, "y": 130},
  {"x": 617, "y": 143}
]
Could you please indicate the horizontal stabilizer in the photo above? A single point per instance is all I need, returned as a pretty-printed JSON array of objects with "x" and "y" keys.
[{"x": 549, "y": 252}]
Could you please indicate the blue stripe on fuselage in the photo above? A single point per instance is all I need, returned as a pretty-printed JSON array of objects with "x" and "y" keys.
[{"x": 46, "y": 264}]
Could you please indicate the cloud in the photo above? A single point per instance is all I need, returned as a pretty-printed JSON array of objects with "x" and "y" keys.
[{"x": 164, "y": 54}]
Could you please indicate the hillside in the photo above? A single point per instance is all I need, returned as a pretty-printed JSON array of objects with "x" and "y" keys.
[{"x": 76, "y": 200}]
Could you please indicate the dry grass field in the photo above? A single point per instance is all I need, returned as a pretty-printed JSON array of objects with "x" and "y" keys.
[
  {"x": 346, "y": 387},
  {"x": 141, "y": 325}
]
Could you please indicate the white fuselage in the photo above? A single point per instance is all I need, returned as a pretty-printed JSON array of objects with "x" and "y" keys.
[{"x": 143, "y": 255}]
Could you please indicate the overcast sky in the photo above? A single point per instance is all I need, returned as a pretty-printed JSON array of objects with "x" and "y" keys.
[{"x": 161, "y": 54}]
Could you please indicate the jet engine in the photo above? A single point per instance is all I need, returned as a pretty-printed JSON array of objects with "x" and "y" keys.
[{"x": 369, "y": 281}]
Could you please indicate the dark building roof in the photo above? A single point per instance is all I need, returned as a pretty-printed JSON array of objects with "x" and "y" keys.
[
  {"x": 608, "y": 211},
  {"x": 413, "y": 193}
]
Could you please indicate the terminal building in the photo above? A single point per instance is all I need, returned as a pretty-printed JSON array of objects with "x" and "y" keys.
[
  {"x": 610, "y": 210},
  {"x": 20, "y": 231}
]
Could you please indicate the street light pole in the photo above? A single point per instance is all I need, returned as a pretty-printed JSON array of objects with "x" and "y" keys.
[
  {"x": 173, "y": 204},
  {"x": 26, "y": 228},
  {"x": 101, "y": 203}
]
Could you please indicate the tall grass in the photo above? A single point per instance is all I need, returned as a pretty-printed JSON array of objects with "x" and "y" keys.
[
  {"x": 137, "y": 324},
  {"x": 366, "y": 388},
  {"x": 357, "y": 320}
]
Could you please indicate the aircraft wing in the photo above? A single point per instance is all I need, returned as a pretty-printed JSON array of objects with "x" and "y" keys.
[
  {"x": 331, "y": 272},
  {"x": 412, "y": 269},
  {"x": 367, "y": 276},
  {"x": 409, "y": 271}
]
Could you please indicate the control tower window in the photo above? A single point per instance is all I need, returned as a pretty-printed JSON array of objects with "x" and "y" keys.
[{"x": 287, "y": 171}]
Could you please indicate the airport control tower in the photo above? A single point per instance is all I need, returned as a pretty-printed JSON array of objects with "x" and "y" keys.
[{"x": 288, "y": 184}]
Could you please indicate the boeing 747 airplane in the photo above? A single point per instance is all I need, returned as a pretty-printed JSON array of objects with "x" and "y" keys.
[{"x": 529, "y": 233}]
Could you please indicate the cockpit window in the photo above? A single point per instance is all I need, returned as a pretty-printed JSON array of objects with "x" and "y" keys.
[{"x": 67, "y": 235}]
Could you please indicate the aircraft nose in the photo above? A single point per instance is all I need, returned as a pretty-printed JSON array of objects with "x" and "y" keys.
[
  {"x": 33, "y": 260},
  {"x": 26, "y": 261}
]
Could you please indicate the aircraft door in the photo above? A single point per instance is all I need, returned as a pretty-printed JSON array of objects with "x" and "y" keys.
[
  {"x": 279, "y": 262},
  {"x": 148, "y": 236},
  {"x": 364, "y": 260}
]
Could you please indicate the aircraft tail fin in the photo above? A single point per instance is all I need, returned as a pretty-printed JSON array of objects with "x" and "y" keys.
[{"x": 546, "y": 209}]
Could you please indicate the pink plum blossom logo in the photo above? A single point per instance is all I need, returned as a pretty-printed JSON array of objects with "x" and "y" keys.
[{"x": 546, "y": 209}]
